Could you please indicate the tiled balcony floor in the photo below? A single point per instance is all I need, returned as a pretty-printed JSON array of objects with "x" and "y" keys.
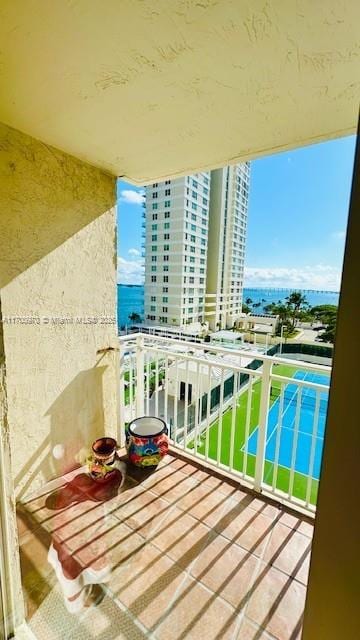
[{"x": 184, "y": 553}]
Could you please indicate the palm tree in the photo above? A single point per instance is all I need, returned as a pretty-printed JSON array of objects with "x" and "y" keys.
[
  {"x": 134, "y": 317},
  {"x": 248, "y": 301},
  {"x": 295, "y": 302}
]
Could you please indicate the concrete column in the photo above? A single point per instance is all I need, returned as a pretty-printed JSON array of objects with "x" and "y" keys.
[{"x": 332, "y": 605}]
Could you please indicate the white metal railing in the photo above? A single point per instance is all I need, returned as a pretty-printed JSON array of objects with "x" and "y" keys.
[{"x": 240, "y": 411}]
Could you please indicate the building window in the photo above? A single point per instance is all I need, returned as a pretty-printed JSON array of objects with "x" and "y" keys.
[
  {"x": 194, "y": 184},
  {"x": 166, "y": 279},
  {"x": 191, "y": 280},
  {"x": 155, "y": 194},
  {"x": 193, "y": 217},
  {"x": 165, "y": 309},
  {"x": 201, "y": 280},
  {"x": 153, "y": 258},
  {"x": 154, "y": 247},
  {"x": 194, "y": 195},
  {"x": 166, "y": 247},
  {"x": 153, "y": 298},
  {"x": 165, "y": 299},
  {"x": 166, "y": 236},
  {"x": 154, "y": 216},
  {"x": 167, "y": 181},
  {"x": 155, "y": 184},
  {"x": 167, "y": 204},
  {"x": 194, "y": 206},
  {"x": 167, "y": 192},
  {"x": 154, "y": 227},
  {"x": 167, "y": 214},
  {"x": 153, "y": 267},
  {"x": 153, "y": 278},
  {"x": 193, "y": 227},
  {"x": 166, "y": 258},
  {"x": 191, "y": 310},
  {"x": 166, "y": 225},
  {"x": 154, "y": 238},
  {"x": 192, "y": 249},
  {"x": 165, "y": 289},
  {"x": 154, "y": 205},
  {"x": 193, "y": 238},
  {"x": 152, "y": 308}
]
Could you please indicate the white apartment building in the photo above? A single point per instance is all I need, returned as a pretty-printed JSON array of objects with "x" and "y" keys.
[
  {"x": 194, "y": 239},
  {"x": 176, "y": 223},
  {"x": 227, "y": 235}
]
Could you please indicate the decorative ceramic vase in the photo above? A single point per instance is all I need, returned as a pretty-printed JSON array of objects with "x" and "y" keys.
[
  {"x": 103, "y": 457},
  {"x": 147, "y": 441}
]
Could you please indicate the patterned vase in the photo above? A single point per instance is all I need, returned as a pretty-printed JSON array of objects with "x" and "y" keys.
[{"x": 147, "y": 441}]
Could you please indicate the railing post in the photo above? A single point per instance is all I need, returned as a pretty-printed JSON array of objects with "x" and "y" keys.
[
  {"x": 121, "y": 405},
  {"x": 140, "y": 370},
  {"x": 263, "y": 418}
]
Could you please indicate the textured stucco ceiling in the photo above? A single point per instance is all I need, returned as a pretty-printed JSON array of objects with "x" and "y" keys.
[{"x": 153, "y": 89}]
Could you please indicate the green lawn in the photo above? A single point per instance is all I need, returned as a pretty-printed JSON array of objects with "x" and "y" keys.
[{"x": 283, "y": 475}]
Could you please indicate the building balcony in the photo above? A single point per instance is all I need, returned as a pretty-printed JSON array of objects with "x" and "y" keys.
[
  {"x": 181, "y": 552},
  {"x": 216, "y": 542}
]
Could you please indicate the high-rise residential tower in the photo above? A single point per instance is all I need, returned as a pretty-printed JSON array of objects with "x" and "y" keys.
[
  {"x": 195, "y": 230},
  {"x": 226, "y": 244},
  {"x": 176, "y": 241}
]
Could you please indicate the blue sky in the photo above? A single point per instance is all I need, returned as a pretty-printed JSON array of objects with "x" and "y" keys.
[{"x": 298, "y": 211}]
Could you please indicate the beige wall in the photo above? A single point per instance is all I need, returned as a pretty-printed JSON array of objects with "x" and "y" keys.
[{"x": 57, "y": 230}]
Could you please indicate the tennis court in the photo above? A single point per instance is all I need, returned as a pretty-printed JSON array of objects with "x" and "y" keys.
[{"x": 283, "y": 441}]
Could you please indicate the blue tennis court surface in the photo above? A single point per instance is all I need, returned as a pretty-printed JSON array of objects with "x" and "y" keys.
[{"x": 286, "y": 424}]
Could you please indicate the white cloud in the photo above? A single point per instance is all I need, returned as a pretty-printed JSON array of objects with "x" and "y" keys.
[
  {"x": 320, "y": 277},
  {"x": 130, "y": 271},
  {"x": 338, "y": 235},
  {"x": 132, "y": 197},
  {"x": 134, "y": 252}
]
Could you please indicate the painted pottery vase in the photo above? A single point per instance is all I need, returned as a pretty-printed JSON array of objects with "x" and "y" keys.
[
  {"x": 147, "y": 441},
  {"x": 103, "y": 457}
]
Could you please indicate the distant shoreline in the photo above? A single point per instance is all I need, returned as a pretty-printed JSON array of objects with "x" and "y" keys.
[{"x": 120, "y": 284}]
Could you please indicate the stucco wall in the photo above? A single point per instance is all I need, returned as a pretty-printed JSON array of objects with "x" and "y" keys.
[{"x": 57, "y": 261}]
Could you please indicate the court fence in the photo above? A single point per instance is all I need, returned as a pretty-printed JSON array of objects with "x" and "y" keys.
[{"x": 214, "y": 398}]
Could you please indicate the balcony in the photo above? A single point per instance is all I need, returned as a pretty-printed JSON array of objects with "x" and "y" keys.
[
  {"x": 182, "y": 552},
  {"x": 210, "y": 544}
]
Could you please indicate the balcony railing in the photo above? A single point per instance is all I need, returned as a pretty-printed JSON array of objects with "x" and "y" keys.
[{"x": 258, "y": 418}]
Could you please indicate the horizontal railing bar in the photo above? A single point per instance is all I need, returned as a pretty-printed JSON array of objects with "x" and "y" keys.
[
  {"x": 240, "y": 352},
  {"x": 301, "y": 383},
  {"x": 207, "y": 361}
]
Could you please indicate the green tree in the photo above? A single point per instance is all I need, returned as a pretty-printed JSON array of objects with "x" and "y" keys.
[
  {"x": 134, "y": 317},
  {"x": 329, "y": 334},
  {"x": 324, "y": 313},
  {"x": 296, "y": 303},
  {"x": 248, "y": 301},
  {"x": 245, "y": 308}
]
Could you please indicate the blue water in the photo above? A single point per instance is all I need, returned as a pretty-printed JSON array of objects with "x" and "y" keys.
[
  {"x": 286, "y": 424},
  {"x": 131, "y": 299}
]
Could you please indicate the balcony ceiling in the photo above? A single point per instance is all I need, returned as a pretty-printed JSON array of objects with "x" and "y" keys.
[{"x": 154, "y": 89}]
